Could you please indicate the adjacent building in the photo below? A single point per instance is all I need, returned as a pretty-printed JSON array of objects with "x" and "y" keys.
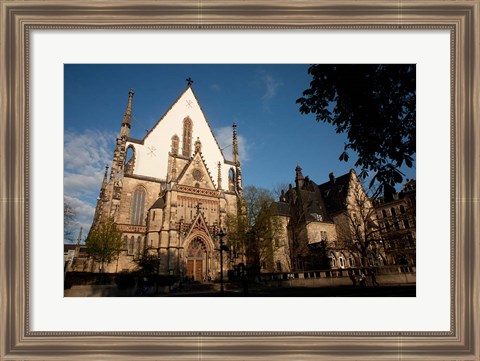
[{"x": 336, "y": 225}]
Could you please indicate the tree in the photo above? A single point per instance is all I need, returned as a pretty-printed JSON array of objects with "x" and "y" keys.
[
  {"x": 375, "y": 105},
  {"x": 256, "y": 227},
  {"x": 104, "y": 243},
  {"x": 358, "y": 228},
  {"x": 69, "y": 221}
]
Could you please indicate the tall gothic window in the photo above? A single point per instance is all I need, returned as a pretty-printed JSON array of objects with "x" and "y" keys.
[
  {"x": 187, "y": 137},
  {"x": 175, "y": 141},
  {"x": 138, "y": 206},
  {"x": 130, "y": 160},
  {"x": 231, "y": 180},
  {"x": 131, "y": 245}
]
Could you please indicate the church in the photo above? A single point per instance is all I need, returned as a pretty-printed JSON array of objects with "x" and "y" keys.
[{"x": 169, "y": 193}]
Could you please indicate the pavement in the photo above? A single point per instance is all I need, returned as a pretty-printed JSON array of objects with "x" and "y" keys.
[{"x": 258, "y": 290}]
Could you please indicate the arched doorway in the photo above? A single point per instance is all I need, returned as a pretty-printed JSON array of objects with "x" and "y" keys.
[{"x": 197, "y": 266}]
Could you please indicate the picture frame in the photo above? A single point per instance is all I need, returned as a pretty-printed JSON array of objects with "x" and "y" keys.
[{"x": 17, "y": 341}]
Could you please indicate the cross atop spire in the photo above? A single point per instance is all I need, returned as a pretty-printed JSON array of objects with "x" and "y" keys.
[{"x": 189, "y": 81}]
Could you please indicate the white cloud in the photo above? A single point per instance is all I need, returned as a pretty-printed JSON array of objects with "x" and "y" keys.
[
  {"x": 224, "y": 137},
  {"x": 215, "y": 87},
  {"x": 271, "y": 86},
  {"x": 86, "y": 154},
  {"x": 84, "y": 214}
]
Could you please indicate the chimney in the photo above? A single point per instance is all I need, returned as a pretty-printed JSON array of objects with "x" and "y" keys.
[
  {"x": 299, "y": 179},
  {"x": 332, "y": 178}
]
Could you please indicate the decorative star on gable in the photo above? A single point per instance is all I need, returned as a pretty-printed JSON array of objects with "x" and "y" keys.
[{"x": 152, "y": 150}]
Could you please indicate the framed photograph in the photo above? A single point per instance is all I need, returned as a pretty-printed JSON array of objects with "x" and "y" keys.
[{"x": 45, "y": 42}]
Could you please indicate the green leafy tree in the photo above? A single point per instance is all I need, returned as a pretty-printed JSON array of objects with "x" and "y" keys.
[
  {"x": 375, "y": 105},
  {"x": 104, "y": 243},
  {"x": 256, "y": 227}
]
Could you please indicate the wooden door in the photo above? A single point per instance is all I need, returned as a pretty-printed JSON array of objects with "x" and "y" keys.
[
  {"x": 198, "y": 270},
  {"x": 190, "y": 268}
]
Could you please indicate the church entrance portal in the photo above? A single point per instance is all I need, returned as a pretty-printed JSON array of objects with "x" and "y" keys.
[{"x": 197, "y": 260}]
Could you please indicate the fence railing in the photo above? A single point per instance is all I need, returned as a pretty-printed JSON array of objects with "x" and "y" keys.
[{"x": 338, "y": 272}]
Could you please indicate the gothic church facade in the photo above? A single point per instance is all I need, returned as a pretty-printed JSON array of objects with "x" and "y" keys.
[{"x": 169, "y": 193}]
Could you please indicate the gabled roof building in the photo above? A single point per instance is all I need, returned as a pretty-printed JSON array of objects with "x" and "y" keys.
[
  {"x": 169, "y": 192},
  {"x": 330, "y": 225}
]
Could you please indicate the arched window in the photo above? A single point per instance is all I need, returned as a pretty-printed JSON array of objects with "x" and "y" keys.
[
  {"x": 175, "y": 142},
  {"x": 384, "y": 213},
  {"x": 125, "y": 242},
  {"x": 341, "y": 261},
  {"x": 231, "y": 180},
  {"x": 139, "y": 245},
  {"x": 351, "y": 261},
  {"x": 394, "y": 213},
  {"x": 138, "y": 206},
  {"x": 333, "y": 260},
  {"x": 402, "y": 209},
  {"x": 187, "y": 137},
  {"x": 131, "y": 245},
  {"x": 129, "y": 160}
]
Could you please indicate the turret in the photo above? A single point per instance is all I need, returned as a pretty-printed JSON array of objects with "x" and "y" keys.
[
  {"x": 235, "y": 144},
  {"x": 238, "y": 169},
  {"x": 299, "y": 178}
]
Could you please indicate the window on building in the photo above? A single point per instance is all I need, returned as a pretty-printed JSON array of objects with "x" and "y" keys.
[
  {"x": 138, "y": 205},
  {"x": 333, "y": 260},
  {"x": 231, "y": 180},
  {"x": 406, "y": 224},
  {"x": 131, "y": 245},
  {"x": 402, "y": 209},
  {"x": 175, "y": 141},
  {"x": 351, "y": 261},
  {"x": 341, "y": 261},
  {"x": 323, "y": 236},
  {"x": 394, "y": 212},
  {"x": 384, "y": 213},
  {"x": 139, "y": 245},
  {"x": 129, "y": 160},
  {"x": 187, "y": 137},
  {"x": 125, "y": 242}
]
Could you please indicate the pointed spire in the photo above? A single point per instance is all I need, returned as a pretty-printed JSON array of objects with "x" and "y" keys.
[
  {"x": 219, "y": 177},
  {"x": 103, "y": 189},
  {"x": 79, "y": 238},
  {"x": 198, "y": 145},
  {"x": 235, "y": 144},
  {"x": 127, "y": 117}
]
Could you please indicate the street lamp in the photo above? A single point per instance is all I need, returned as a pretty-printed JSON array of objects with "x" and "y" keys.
[{"x": 223, "y": 247}]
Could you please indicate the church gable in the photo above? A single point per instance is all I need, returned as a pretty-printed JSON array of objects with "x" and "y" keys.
[
  {"x": 196, "y": 174},
  {"x": 198, "y": 226},
  {"x": 175, "y": 133}
]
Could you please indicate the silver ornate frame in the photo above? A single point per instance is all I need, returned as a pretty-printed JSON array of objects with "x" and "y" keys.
[{"x": 18, "y": 17}]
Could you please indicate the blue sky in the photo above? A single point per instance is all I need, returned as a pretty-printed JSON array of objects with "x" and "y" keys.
[{"x": 259, "y": 98}]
